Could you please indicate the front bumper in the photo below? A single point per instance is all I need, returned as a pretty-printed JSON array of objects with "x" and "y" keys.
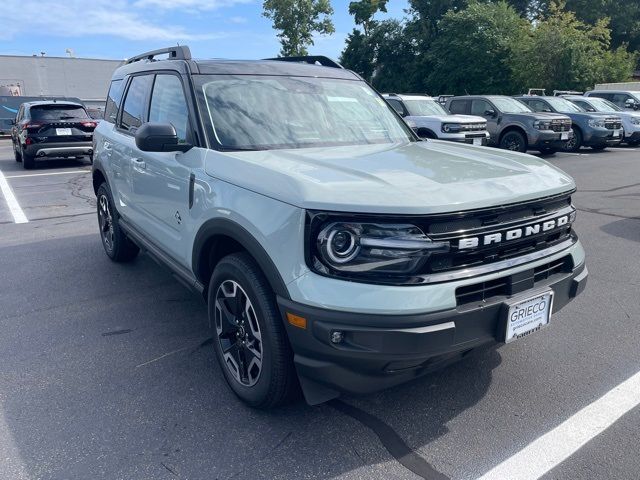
[
  {"x": 599, "y": 137},
  {"x": 470, "y": 138},
  {"x": 57, "y": 149},
  {"x": 547, "y": 139},
  {"x": 632, "y": 136},
  {"x": 380, "y": 351}
]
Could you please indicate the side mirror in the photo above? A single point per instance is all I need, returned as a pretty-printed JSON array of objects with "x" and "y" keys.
[
  {"x": 631, "y": 103},
  {"x": 159, "y": 137},
  {"x": 490, "y": 113}
]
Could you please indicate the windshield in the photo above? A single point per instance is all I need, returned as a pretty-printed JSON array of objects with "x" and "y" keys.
[
  {"x": 563, "y": 105},
  {"x": 602, "y": 105},
  {"x": 265, "y": 112},
  {"x": 510, "y": 105},
  {"x": 424, "y": 107},
  {"x": 57, "y": 112}
]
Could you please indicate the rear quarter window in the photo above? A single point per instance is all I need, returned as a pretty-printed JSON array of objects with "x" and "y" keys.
[
  {"x": 459, "y": 106},
  {"x": 113, "y": 101}
]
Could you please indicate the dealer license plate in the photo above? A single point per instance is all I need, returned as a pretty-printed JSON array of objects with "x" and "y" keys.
[
  {"x": 528, "y": 316},
  {"x": 616, "y": 134},
  {"x": 564, "y": 136},
  {"x": 477, "y": 141},
  {"x": 63, "y": 131}
]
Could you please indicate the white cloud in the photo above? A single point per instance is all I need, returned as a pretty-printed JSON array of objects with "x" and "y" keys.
[
  {"x": 77, "y": 18},
  {"x": 189, "y": 5}
]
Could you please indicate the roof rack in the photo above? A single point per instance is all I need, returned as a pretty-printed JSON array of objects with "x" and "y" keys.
[
  {"x": 311, "y": 59},
  {"x": 175, "y": 53}
]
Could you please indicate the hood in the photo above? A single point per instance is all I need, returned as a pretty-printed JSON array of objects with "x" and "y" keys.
[
  {"x": 539, "y": 116},
  {"x": 591, "y": 115},
  {"x": 408, "y": 178},
  {"x": 450, "y": 118}
]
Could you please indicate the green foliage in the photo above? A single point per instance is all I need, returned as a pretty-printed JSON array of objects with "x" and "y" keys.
[
  {"x": 562, "y": 52},
  {"x": 473, "y": 50},
  {"x": 364, "y": 10},
  {"x": 485, "y": 46},
  {"x": 297, "y": 21}
]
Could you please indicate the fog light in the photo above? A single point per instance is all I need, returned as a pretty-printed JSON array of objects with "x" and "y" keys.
[{"x": 337, "y": 336}]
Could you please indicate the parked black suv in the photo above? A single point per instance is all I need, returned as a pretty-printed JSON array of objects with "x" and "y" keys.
[{"x": 47, "y": 129}]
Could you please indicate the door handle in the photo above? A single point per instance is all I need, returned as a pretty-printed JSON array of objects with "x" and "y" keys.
[{"x": 139, "y": 163}]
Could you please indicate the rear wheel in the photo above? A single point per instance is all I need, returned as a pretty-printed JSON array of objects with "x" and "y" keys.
[
  {"x": 28, "y": 161},
  {"x": 250, "y": 341},
  {"x": 116, "y": 244},
  {"x": 17, "y": 153},
  {"x": 514, "y": 141}
]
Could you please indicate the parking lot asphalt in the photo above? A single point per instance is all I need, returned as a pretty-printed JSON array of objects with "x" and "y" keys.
[{"x": 107, "y": 371}]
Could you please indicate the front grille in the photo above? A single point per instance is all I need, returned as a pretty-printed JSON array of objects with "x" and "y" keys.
[
  {"x": 473, "y": 127},
  {"x": 613, "y": 123},
  {"x": 513, "y": 284},
  {"x": 477, "y": 225},
  {"x": 560, "y": 125}
]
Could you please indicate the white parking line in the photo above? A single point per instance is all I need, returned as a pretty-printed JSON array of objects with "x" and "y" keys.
[
  {"x": 12, "y": 202},
  {"x": 554, "y": 447},
  {"x": 45, "y": 174}
]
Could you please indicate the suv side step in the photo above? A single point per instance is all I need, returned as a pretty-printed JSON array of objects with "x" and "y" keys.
[{"x": 179, "y": 272}]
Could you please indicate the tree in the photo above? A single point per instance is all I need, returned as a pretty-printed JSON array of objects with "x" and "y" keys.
[
  {"x": 297, "y": 21},
  {"x": 473, "y": 51},
  {"x": 364, "y": 10},
  {"x": 563, "y": 52}
]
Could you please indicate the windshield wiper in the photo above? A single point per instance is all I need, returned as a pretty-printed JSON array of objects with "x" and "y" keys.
[{"x": 242, "y": 149}]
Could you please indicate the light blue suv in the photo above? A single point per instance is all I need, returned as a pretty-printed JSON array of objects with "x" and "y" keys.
[{"x": 337, "y": 252}]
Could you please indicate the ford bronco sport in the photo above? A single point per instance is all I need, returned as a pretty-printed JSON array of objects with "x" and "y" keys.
[
  {"x": 429, "y": 119},
  {"x": 335, "y": 249}
]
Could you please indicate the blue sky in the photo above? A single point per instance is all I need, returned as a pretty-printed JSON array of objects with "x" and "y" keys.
[{"x": 118, "y": 29}]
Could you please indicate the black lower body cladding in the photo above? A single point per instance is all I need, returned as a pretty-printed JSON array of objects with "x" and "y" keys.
[{"x": 373, "y": 352}]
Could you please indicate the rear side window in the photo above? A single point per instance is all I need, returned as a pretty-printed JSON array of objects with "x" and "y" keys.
[
  {"x": 135, "y": 103},
  {"x": 113, "y": 101},
  {"x": 397, "y": 106},
  {"x": 57, "y": 112},
  {"x": 459, "y": 106},
  {"x": 168, "y": 104}
]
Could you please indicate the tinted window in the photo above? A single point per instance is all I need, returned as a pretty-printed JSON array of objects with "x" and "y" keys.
[
  {"x": 135, "y": 103},
  {"x": 424, "y": 107},
  {"x": 478, "y": 107},
  {"x": 620, "y": 98},
  {"x": 459, "y": 106},
  {"x": 113, "y": 101},
  {"x": 168, "y": 104},
  {"x": 397, "y": 105},
  {"x": 57, "y": 112}
]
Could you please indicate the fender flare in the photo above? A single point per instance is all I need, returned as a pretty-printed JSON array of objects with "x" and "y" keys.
[{"x": 229, "y": 228}]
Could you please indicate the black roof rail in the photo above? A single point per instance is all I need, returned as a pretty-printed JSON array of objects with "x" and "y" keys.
[
  {"x": 311, "y": 59},
  {"x": 180, "y": 52}
]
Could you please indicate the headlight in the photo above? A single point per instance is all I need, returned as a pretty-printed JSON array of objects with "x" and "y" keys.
[
  {"x": 362, "y": 248},
  {"x": 635, "y": 120},
  {"x": 542, "y": 124},
  {"x": 451, "y": 127},
  {"x": 596, "y": 123}
]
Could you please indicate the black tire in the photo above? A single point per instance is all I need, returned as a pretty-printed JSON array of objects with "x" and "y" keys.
[
  {"x": 17, "y": 153},
  {"x": 599, "y": 148},
  {"x": 574, "y": 144},
  {"x": 116, "y": 244},
  {"x": 248, "y": 329},
  {"x": 28, "y": 161},
  {"x": 424, "y": 133},
  {"x": 633, "y": 143},
  {"x": 514, "y": 141}
]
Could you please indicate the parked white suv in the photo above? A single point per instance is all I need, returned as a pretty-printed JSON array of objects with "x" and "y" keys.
[{"x": 429, "y": 119}]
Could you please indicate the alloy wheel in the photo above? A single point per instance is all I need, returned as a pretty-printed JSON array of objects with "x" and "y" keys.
[
  {"x": 238, "y": 333},
  {"x": 106, "y": 222}
]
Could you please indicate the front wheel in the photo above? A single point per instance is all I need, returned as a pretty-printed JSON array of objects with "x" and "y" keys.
[
  {"x": 575, "y": 142},
  {"x": 249, "y": 337},
  {"x": 514, "y": 141},
  {"x": 116, "y": 244}
]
